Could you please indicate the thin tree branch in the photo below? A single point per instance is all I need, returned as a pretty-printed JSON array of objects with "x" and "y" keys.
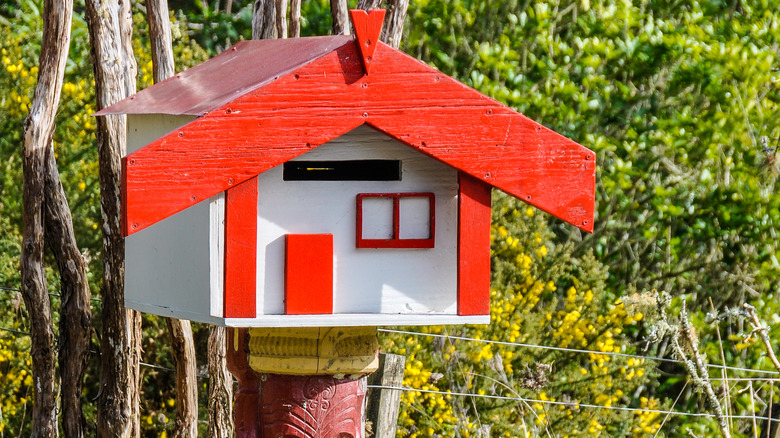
[
  {"x": 762, "y": 333},
  {"x": 75, "y": 314}
]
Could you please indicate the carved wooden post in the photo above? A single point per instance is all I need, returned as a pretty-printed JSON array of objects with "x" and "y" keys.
[{"x": 303, "y": 382}]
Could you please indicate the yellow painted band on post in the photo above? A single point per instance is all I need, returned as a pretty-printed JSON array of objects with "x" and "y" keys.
[{"x": 346, "y": 351}]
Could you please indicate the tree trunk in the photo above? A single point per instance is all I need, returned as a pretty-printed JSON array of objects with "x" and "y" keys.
[
  {"x": 163, "y": 65},
  {"x": 393, "y": 29},
  {"x": 264, "y": 20},
  {"x": 368, "y": 5},
  {"x": 340, "y": 17},
  {"x": 75, "y": 314},
  {"x": 281, "y": 18},
  {"x": 114, "y": 69},
  {"x": 180, "y": 332},
  {"x": 183, "y": 349},
  {"x": 38, "y": 131},
  {"x": 220, "y": 387},
  {"x": 295, "y": 18}
]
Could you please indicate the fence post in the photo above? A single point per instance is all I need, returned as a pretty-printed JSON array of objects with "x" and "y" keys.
[{"x": 383, "y": 404}]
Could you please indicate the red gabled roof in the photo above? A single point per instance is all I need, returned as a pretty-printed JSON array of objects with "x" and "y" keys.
[
  {"x": 268, "y": 101},
  {"x": 229, "y": 75}
]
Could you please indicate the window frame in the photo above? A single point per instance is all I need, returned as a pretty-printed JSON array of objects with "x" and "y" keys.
[{"x": 396, "y": 241}]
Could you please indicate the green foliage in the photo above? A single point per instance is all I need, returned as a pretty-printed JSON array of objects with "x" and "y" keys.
[
  {"x": 76, "y": 154},
  {"x": 675, "y": 100},
  {"x": 680, "y": 102},
  {"x": 540, "y": 297}
]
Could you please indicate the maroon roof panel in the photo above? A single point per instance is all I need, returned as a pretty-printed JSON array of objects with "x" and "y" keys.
[{"x": 240, "y": 69}]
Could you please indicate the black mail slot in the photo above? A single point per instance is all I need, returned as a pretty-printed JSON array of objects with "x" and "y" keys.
[{"x": 350, "y": 170}]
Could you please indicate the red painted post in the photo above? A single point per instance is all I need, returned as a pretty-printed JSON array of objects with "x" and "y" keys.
[
  {"x": 301, "y": 403},
  {"x": 247, "y": 398},
  {"x": 311, "y": 407}
]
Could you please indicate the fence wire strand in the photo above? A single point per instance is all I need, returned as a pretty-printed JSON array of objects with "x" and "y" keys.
[
  {"x": 572, "y": 350},
  {"x": 574, "y": 405},
  {"x": 520, "y": 399}
]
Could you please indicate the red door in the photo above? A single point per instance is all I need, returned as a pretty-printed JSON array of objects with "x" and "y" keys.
[{"x": 308, "y": 274}]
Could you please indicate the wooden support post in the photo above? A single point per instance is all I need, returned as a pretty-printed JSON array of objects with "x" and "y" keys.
[
  {"x": 770, "y": 428},
  {"x": 304, "y": 382},
  {"x": 384, "y": 404}
]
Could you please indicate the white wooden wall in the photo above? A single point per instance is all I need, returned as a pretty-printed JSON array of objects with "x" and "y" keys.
[
  {"x": 168, "y": 267},
  {"x": 367, "y": 280}
]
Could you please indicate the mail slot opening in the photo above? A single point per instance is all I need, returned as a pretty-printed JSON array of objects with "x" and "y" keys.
[{"x": 350, "y": 170}]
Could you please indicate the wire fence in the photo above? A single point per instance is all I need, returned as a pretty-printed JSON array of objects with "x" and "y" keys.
[
  {"x": 574, "y": 350},
  {"x": 569, "y": 404},
  {"x": 572, "y": 405}
]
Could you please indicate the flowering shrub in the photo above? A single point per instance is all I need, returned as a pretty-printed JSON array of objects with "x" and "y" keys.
[
  {"x": 15, "y": 382},
  {"x": 539, "y": 296},
  {"x": 76, "y": 154}
]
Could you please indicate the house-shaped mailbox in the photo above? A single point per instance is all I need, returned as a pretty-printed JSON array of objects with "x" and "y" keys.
[{"x": 328, "y": 181}]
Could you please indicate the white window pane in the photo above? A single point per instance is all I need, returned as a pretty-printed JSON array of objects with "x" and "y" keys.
[
  {"x": 377, "y": 218},
  {"x": 414, "y": 218}
]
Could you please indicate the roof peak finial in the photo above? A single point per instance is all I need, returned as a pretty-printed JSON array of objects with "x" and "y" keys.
[{"x": 368, "y": 26}]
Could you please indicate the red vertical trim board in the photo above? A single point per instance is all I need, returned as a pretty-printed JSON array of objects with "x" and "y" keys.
[
  {"x": 241, "y": 250},
  {"x": 123, "y": 225},
  {"x": 473, "y": 246},
  {"x": 308, "y": 274}
]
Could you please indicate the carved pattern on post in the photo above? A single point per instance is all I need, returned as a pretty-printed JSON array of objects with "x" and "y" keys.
[
  {"x": 310, "y": 350},
  {"x": 247, "y": 419},
  {"x": 311, "y": 407}
]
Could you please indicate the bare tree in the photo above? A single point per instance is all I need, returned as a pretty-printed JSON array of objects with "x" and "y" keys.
[
  {"x": 75, "y": 314},
  {"x": 264, "y": 20},
  {"x": 340, "y": 17},
  {"x": 393, "y": 28},
  {"x": 180, "y": 331},
  {"x": 295, "y": 18},
  {"x": 38, "y": 133},
  {"x": 392, "y": 31},
  {"x": 183, "y": 350},
  {"x": 368, "y": 5},
  {"x": 220, "y": 387},
  {"x": 281, "y": 18},
  {"x": 114, "y": 69},
  {"x": 163, "y": 64}
]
